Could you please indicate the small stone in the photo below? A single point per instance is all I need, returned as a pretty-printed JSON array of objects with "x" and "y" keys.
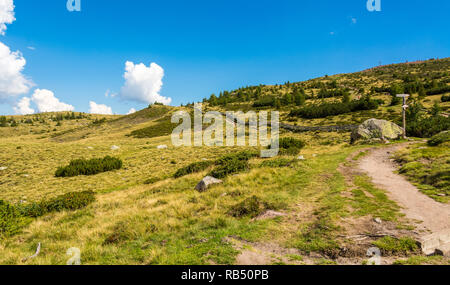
[
  {"x": 314, "y": 155},
  {"x": 301, "y": 157},
  {"x": 3, "y": 168},
  {"x": 378, "y": 220},
  {"x": 114, "y": 147},
  {"x": 90, "y": 147},
  {"x": 163, "y": 146},
  {"x": 203, "y": 185}
]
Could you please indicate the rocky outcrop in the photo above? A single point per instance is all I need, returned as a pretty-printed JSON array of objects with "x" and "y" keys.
[
  {"x": 374, "y": 129},
  {"x": 206, "y": 183}
]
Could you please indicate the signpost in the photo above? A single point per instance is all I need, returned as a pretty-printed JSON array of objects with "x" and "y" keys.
[{"x": 404, "y": 107}]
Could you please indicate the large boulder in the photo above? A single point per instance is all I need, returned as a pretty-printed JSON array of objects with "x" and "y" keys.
[
  {"x": 206, "y": 182},
  {"x": 375, "y": 129}
]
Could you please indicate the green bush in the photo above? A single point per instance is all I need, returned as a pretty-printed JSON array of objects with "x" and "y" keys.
[
  {"x": 426, "y": 127},
  {"x": 229, "y": 167},
  {"x": 333, "y": 109},
  {"x": 89, "y": 167},
  {"x": 251, "y": 207},
  {"x": 268, "y": 101},
  {"x": 290, "y": 146},
  {"x": 276, "y": 163},
  {"x": 438, "y": 90},
  {"x": 291, "y": 142},
  {"x": 193, "y": 168},
  {"x": 244, "y": 155},
  {"x": 390, "y": 245},
  {"x": 439, "y": 139},
  {"x": 11, "y": 220},
  {"x": 70, "y": 201},
  {"x": 445, "y": 98}
]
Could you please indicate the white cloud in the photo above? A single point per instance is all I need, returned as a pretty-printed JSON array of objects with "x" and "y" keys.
[
  {"x": 354, "y": 20},
  {"x": 46, "y": 101},
  {"x": 12, "y": 81},
  {"x": 132, "y": 111},
  {"x": 31, "y": 48},
  {"x": 6, "y": 14},
  {"x": 23, "y": 107},
  {"x": 99, "y": 109},
  {"x": 332, "y": 33},
  {"x": 143, "y": 84}
]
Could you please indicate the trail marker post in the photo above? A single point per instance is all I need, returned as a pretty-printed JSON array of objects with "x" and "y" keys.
[{"x": 404, "y": 107}]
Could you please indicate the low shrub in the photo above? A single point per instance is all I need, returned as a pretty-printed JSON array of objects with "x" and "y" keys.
[
  {"x": 426, "y": 127},
  {"x": 193, "y": 168},
  {"x": 333, "y": 109},
  {"x": 243, "y": 155},
  {"x": 390, "y": 245},
  {"x": 268, "y": 101},
  {"x": 291, "y": 142},
  {"x": 276, "y": 163},
  {"x": 229, "y": 167},
  {"x": 438, "y": 90},
  {"x": 251, "y": 207},
  {"x": 445, "y": 98},
  {"x": 70, "y": 201},
  {"x": 89, "y": 167},
  {"x": 439, "y": 139},
  {"x": 232, "y": 163},
  {"x": 11, "y": 220},
  {"x": 290, "y": 146}
]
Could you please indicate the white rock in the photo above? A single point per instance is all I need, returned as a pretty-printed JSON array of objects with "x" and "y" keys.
[
  {"x": 206, "y": 182},
  {"x": 3, "y": 168},
  {"x": 301, "y": 157},
  {"x": 377, "y": 220},
  {"x": 114, "y": 147},
  {"x": 90, "y": 147},
  {"x": 163, "y": 146}
]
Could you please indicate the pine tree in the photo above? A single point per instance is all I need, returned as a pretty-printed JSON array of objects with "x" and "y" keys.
[{"x": 436, "y": 110}]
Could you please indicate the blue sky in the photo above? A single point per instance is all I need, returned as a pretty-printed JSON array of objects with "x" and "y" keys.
[{"x": 208, "y": 46}]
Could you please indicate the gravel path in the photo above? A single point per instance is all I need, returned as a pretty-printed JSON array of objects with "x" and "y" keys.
[{"x": 377, "y": 164}]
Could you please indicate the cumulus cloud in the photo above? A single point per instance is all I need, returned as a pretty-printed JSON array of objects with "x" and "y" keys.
[
  {"x": 46, "y": 101},
  {"x": 23, "y": 107},
  {"x": 132, "y": 111},
  {"x": 6, "y": 14},
  {"x": 143, "y": 84},
  {"x": 12, "y": 81},
  {"x": 99, "y": 109}
]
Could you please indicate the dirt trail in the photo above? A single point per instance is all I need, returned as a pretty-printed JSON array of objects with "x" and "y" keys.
[{"x": 433, "y": 215}]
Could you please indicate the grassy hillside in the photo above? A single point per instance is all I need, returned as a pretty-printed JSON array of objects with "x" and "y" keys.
[{"x": 142, "y": 214}]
